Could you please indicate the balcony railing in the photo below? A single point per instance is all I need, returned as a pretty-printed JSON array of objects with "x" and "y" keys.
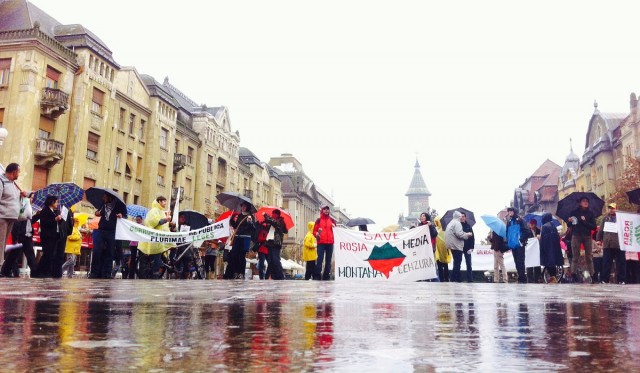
[
  {"x": 174, "y": 193},
  {"x": 179, "y": 161},
  {"x": 48, "y": 152},
  {"x": 248, "y": 193},
  {"x": 53, "y": 103}
]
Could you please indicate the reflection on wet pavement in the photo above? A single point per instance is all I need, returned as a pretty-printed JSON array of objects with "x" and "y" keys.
[{"x": 120, "y": 325}]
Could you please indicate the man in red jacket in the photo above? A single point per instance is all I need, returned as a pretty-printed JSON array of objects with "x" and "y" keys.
[{"x": 323, "y": 230}]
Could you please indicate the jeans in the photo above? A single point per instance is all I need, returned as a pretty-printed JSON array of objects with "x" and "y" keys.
[
  {"x": 69, "y": 265},
  {"x": 467, "y": 261},
  {"x": 608, "y": 256},
  {"x": 443, "y": 271},
  {"x": 518, "y": 258},
  {"x": 262, "y": 258},
  {"x": 325, "y": 252},
  {"x": 310, "y": 269}
]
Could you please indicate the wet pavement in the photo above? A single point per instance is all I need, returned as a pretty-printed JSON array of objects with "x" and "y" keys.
[{"x": 143, "y": 325}]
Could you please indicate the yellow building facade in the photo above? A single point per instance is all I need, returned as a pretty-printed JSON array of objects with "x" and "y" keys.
[{"x": 75, "y": 115}]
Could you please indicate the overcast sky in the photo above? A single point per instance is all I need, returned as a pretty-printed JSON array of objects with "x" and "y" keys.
[{"x": 481, "y": 92}]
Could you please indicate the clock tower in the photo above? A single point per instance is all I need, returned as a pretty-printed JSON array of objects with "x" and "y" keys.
[{"x": 418, "y": 194}]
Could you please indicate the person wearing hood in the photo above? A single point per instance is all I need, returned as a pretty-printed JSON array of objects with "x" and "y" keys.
[
  {"x": 517, "y": 235},
  {"x": 158, "y": 218},
  {"x": 550, "y": 250},
  {"x": 72, "y": 248},
  {"x": 309, "y": 251},
  {"x": 323, "y": 230},
  {"x": 454, "y": 239}
]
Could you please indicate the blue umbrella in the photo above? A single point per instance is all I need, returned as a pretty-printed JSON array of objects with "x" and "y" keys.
[
  {"x": 537, "y": 216},
  {"x": 68, "y": 195},
  {"x": 495, "y": 224},
  {"x": 135, "y": 210}
]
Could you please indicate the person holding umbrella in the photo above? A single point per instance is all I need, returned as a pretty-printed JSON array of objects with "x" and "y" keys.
[
  {"x": 583, "y": 222},
  {"x": 244, "y": 229},
  {"x": 276, "y": 223},
  {"x": 105, "y": 247}
]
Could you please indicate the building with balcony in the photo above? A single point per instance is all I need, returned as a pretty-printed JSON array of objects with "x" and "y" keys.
[{"x": 598, "y": 160}]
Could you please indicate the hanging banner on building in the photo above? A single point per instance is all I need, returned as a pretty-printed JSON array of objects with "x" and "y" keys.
[
  {"x": 127, "y": 230},
  {"x": 386, "y": 256},
  {"x": 628, "y": 231}
]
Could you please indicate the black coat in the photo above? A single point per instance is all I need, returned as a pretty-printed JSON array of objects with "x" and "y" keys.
[
  {"x": 49, "y": 227},
  {"x": 550, "y": 250},
  {"x": 470, "y": 242}
]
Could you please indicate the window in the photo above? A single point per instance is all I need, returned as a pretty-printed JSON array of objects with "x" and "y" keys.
[
  {"x": 127, "y": 165},
  {"x": 210, "y": 164},
  {"x": 125, "y": 197},
  {"x": 1, "y": 117},
  {"x": 139, "y": 168},
  {"x": 116, "y": 163},
  {"x": 176, "y": 145},
  {"x": 132, "y": 124},
  {"x": 136, "y": 199},
  {"x": 92, "y": 146},
  {"x": 187, "y": 187},
  {"x": 142, "y": 124},
  {"x": 189, "y": 155},
  {"x": 611, "y": 172},
  {"x": 123, "y": 115},
  {"x": 164, "y": 135},
  {"x": 42, "y": 134},
  {"x": 97, "y": 101},
  {"x": 161, "y": 172},
  {"x": 53, "y": 76},
  {"x": 5, "y": 66}
]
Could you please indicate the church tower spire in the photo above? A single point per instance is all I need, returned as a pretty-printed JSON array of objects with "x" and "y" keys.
[{"x": 418, "y": 193}]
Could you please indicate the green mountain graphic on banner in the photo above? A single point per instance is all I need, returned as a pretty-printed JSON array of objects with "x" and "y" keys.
[{"x": 385, "y": 258}]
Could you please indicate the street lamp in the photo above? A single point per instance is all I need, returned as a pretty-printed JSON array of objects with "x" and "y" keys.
[{"x": 3, "y": 135}]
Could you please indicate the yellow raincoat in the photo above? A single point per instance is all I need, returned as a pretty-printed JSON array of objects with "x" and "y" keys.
[
  {"x": 152, "y": 220},
  {"x": 442, "y": 254},
  {"x": 309, "y": 250},
  {"x": 74, "y": 240}
]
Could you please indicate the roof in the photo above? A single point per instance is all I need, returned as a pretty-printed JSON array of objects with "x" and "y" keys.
[
  {"x": 78, "y": 36},
  {"x": 417, "y": 186},
  {"x": 156, "y": 89},
  {"x": 248, "y": 157},
  {"x": 22, "y": 15},
  {"x": 182, "y": 99},
  {"x": 546, "y": 168}
]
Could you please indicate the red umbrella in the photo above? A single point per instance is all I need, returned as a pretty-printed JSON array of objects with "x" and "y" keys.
[{"x": 288, "y": 221}]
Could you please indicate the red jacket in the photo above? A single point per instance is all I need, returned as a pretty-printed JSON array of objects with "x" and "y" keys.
[{"x": 326, "y": 223}]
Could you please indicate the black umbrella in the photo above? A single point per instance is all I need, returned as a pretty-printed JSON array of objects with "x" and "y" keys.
[
  {"x": 448, "y": 216},
  {"x": 194, "y": 219},
  {"x": 233, "y": 200},
  {"x": 94, "y": 196},
  {"x": 359, "y": 221},
  {"x": 571, "y": 202},
  {"x": 634, "y": 196}
]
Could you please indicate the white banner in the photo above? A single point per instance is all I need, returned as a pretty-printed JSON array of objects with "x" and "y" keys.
[
  {"x": 628, "y": 231},
  {"x": 394, "y": 256},
  {"x": 482, "y": 260},
  {"x": 532, "y": 253},
  {"x": 127, "y": 230}
]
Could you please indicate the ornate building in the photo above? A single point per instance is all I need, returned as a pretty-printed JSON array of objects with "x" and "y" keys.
[
  {"x": 598, "y": 158},
  {"x": 539, "y": 192},
  {"x": 569, "y": 175},
  {"x": 74, "y": 114},
  {"x": 418, "y": 199}
]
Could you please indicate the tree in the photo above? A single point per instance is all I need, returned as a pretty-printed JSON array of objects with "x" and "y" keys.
[{"x": 626, "y": 182}]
